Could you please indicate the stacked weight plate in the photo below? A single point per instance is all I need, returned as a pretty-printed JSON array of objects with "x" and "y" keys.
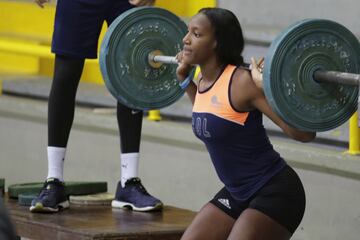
[{"x": 124, "y": 57}]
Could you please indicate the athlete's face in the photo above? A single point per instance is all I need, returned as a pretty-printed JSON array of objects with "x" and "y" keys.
[{"x": 199, "y": 42}]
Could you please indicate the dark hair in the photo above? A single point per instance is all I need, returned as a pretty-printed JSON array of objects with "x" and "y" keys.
[{"x": 228, "y": 33}]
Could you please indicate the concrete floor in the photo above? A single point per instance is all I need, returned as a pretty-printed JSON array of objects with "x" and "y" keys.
[{"x": 174, "y": 165}]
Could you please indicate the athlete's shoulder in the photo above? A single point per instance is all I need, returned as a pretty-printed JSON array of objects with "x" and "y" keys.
[{"x": 242, "y": 79}]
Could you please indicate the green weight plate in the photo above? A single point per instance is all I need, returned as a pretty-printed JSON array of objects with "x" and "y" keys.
[
  {"x": 99, "y": 199},
  {"x": 124, "y": 57},
  {"x": 292, "y": 59},
  {"x": 72, "y": 188},
  {"x": 26, "y": 199}
]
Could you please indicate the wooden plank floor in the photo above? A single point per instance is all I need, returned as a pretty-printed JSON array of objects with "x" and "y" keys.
[{"x": 100, "y": 222}]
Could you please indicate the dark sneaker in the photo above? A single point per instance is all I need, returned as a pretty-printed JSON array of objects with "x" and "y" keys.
[
  {"x": 52, "y": 197},
  {"x": 135, "y": 197}
]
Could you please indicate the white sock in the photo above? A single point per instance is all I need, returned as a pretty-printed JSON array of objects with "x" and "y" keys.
[
  {"x": 129, "y": 166},
  {"x": 56, "y": 157}
]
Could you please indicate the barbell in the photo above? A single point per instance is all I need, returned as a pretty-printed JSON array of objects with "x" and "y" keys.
[{"x": 311, "y": 71}]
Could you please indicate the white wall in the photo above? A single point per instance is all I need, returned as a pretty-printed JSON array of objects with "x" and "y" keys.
[{"x": 274, "y": 15}]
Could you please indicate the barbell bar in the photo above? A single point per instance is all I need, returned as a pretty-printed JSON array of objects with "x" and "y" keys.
[
  {"x": 319, "y": 75},
  {"x": 162, "y": 59},
  {"x": 311, "y": 70},
  {"x": 157, "y": 60},
  {"x": 337, "y": 77}
]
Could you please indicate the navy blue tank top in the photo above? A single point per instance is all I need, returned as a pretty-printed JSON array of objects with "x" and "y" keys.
[{"x": 239, "y": 147}]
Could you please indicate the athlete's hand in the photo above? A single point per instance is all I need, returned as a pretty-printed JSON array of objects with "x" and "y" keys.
[
  {"x": 256, "y": 72},
  {"x": 41, "y": 2},
  {"x": 183, "y": 69},
  {"x": 140, "y": 3}
]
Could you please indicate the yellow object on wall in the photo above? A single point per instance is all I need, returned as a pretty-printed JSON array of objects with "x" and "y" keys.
[
  {"x": 185, "y": 8},
  {"x": 354, "y": 135},
  {"x": 27, "y": 20},
  {"x": 25, "y": 37}
]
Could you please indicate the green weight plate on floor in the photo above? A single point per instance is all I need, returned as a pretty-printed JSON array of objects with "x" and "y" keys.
[
  {"x": 26, "y": 199},
  {"x": 124, "y": 57},
  {"x": 72, "y": 188},
  {"x": 99, "y": 199},
  {"x": 292, "y": 59}
]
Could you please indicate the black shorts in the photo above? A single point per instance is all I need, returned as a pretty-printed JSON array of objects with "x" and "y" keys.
[
  {"x": 78, "y": 24},
  {"x": 282, "y": 198}
]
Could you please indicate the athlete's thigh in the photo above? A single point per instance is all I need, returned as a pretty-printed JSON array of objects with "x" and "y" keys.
[
  {"x": 275, "y": 211},
  {"x": 255, "y": 225},
  {"x": 210, "y": 223}
]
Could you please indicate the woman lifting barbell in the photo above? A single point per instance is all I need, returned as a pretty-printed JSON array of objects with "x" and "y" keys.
[{"x": 263, "y": 197}]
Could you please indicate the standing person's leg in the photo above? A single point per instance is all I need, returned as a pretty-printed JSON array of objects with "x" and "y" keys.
[
  {"x": 76, "y": 31},
  {"x": 130, "y": 124},
  {"x": 61, "y": 108},
  {"x": 130, "y": 192}
]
